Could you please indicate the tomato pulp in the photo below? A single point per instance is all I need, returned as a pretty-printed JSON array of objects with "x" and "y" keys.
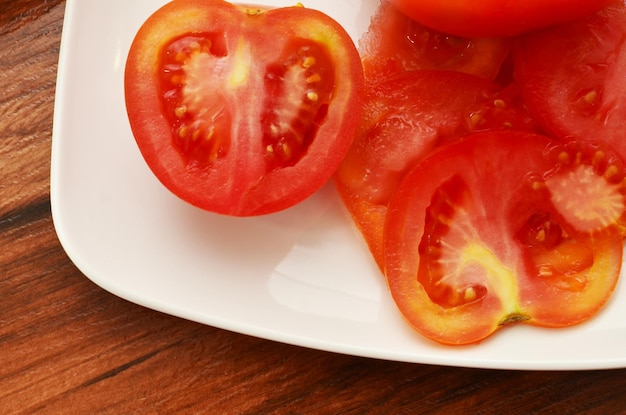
[
  {"x": 492, "y": 230},
  {"x": 572, "y": 77},
  {"x": 495, "y": 17},
  {"x": 239, "y": 110}
]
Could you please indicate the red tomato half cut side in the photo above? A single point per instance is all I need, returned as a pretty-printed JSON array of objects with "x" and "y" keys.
[
  {"x": 242, "y": 111},
  {"x": 475, "y": 242}
]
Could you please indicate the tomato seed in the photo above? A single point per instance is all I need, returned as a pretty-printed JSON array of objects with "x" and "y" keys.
[
  {"x": 287, "y": 150},
  {"x": 180, "y": 111},
  {"x": 611, "y": 172},
  {"x": 181, "y": 57},
  {"x": 176, "y": 79},
  {"x": 308, "y": 62},
  {"x": 591, "y": 96},
  {"x": 476, "y": 119},
  {"x": 314, "y": 78},
  {"x": 469, "y": 294}
]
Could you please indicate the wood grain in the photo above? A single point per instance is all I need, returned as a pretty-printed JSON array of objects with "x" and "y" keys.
[{"x": 69, "y": 347}]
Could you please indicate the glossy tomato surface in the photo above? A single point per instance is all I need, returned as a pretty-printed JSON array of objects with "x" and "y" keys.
[
  {"x": 396, "y": 43},
  {"x": 495, "y": 17},
  {"x": 572, "y": 77},
  {"x": 489, "y": 231},
  {"x": 239, "y": 110}
]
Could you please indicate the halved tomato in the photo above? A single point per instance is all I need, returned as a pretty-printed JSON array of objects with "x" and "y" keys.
[
  {"x": 572, "y": 77},
  {"x": 395, "y": 43},
  {"x": 404, "y": 119},
  {"x": 490, "y": 230},
  {"x": 240, "y": 110}
]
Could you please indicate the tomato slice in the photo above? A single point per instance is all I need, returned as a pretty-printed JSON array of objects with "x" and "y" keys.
[
  {"x": 240, "y": 110},
  {"x": 395, "y": 43},
  {"x": 478, "y": 236},
  {"x": 495, "y": 17},
  {"x": 572, "y": 77},
  {"x": 404, "y": 119}
]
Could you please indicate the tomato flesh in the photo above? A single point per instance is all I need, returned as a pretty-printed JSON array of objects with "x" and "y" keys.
[
  {"x": 239, "y": 110},
  {"x": 406, "y": 117},
  {"x": 474, "y": 240},
  {"x": 572, "y": 77}
]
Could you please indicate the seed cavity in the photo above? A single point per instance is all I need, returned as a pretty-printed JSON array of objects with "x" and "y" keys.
[
  {"x": 299, "y": 87},
  {"x": 200, "y": 122}
]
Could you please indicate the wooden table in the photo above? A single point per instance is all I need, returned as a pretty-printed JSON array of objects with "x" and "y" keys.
[{"x": 68, "y": 346}]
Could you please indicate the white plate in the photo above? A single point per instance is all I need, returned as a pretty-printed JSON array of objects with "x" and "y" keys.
[{"x": 302, "y": 276}]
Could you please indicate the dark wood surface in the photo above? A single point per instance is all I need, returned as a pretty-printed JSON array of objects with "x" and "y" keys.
[{"x": 67, "y": 346}]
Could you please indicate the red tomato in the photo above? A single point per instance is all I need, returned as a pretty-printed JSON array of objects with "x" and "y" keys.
[
  {"x": 495, "y": 17},
  {"x": 572, "y": 77},
  {"x": 394, "y": 43},
  {"x": 490, "y": 230},
  {"x": 404, "y": 119},
  {"x": 240, "y": 110}
]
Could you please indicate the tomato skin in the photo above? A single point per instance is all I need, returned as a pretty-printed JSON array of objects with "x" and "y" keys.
[
  {"x": 241, "y": 49},
  {"x": 495, "y": 17},
  {"x": 464, "y": 253},
  {"x": 572, "y": 77}
]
